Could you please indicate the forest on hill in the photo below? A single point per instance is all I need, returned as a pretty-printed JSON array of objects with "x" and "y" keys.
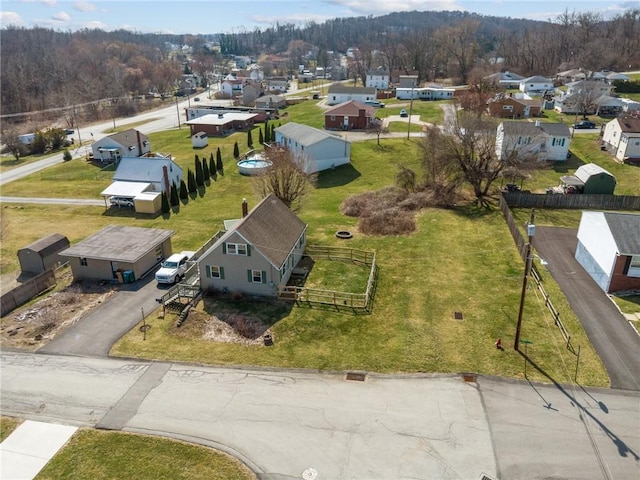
[{"x": 46, "y": 69}]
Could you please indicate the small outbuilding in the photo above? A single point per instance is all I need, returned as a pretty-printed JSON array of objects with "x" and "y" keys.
[
  {"x": 609, "y": 249},
  {"x": 119, "y": 253},
  {"x": 591, "y": 179},
  {"x": 42, "y": 254},
  {"x": 199, "y": 140}
]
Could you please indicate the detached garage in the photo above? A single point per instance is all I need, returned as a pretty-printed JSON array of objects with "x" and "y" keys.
[
  {"x": 609, "y": 249},
  {"x": 42, "y": 254},
  {"x": 117, "y": 249}
]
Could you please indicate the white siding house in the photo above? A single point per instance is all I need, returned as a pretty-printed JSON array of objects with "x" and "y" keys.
[
  {"x": 378, "y": 78},
  {"x": 316, "y": 149},
  {"x": 536, "y": 84},
  {"x": 130, "y": 143},
  {"x": 341, "y": 94},
  {"x": 621, "y": 138},
  {"x": 539, "y": 140}
]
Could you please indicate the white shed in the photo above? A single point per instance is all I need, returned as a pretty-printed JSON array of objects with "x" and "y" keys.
[{"x": 200, "y": 140}]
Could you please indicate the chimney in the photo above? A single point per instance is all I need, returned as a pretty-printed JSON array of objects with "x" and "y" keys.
[
  {"x": 220, "y": 115},
  {"x": 165, "y": 176},
  {"x": 245, "y": 208},
  {"x": 139, "y": 143}
]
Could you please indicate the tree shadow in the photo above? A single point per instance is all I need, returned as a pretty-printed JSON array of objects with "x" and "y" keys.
[
  {"x": 623, "y": 449},
  {"x": 337, "y": 177},
  {"x": 474, "y": 210}
]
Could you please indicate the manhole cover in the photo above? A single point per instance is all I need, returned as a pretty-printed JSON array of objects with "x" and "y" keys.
[
  {"x": 356, "y": 376},
  {"x": 144, "y": 328},
  {"x": 458, "y": 315},
  {"x": 310, "y": 474}
]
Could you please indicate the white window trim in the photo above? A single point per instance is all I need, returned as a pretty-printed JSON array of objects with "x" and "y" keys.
[{"x": 253, "y": 276}]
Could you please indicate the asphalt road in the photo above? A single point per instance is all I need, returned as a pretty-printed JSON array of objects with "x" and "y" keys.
[
  {"x": 615, "y": 341},
  {"x": 280, "y": 423}
]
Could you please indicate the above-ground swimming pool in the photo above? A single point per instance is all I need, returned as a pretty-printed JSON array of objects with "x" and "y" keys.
[{"x": 254, "y": 164}]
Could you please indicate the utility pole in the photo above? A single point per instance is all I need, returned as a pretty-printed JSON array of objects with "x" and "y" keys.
[
  {"x": 177, "y": 109},
  {"x": 410, "y": 110},
  {"x": 531, "y": 230}
]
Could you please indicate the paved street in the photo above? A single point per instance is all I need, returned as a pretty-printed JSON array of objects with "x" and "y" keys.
[
  {"x": 387, "y": 427},
  {"x": 616, "y": 343}
]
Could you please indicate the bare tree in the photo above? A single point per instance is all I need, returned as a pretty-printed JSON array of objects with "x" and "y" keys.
[
  {"x": 286, "y": 177},
  {"x": 468, "y": 154},
  {"x": 377, "y": 128},
  {"x": 13, "y": 144}
]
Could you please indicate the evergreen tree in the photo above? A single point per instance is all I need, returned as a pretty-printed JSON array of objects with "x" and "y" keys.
[
  {"x": 174, "y": 202},
  {"x": 267, "y": 131},
  {"x": 191, "y": 182},
  {"x": 184, "y": 193},
  {"x": 205, "y": 170},
  {"x": 219, "y": 166},
  {"x": 249, "y": 139},
  {"x": 260, "y": 137},
  {"x": 165, "y": 204},
  {"x": 236, "y": 150},
  {"x": 212, "y": 165},
  {"x": 199, "y": 173},
  {"x": 272, "y": 136},
  {"x": 66, "y": 155}
]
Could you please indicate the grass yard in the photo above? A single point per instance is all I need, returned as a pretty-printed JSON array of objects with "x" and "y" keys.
[
  {"x": 8, "y": 425},
  {"x": 100, "y": 454},
  {"x": 628, "y": 303}
]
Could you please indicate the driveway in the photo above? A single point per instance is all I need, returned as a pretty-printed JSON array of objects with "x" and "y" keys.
[
  {"x": 94, "y": 334},
  {"x": 615, "y": 341}
]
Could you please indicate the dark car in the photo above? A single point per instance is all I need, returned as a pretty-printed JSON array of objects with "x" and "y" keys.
[
  {"x": 584, "y": 124},
  {"x": 403, "y": 113}
]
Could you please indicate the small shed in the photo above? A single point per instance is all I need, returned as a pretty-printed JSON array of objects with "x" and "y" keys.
[
  {"x": 591, "y": 179},
  {"x": 200, "y": 140},
  {"x": 148, "y": 202},
  {"x": 42, "y": 254}
]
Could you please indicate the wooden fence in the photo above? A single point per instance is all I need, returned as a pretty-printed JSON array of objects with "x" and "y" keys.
[
  {"x": 355, "y": 301},
  {"x": 577, "y": 201},
  {"x": 554, "y": 313},
  {"x": 521, "y": 245},
  {"x": 26, "y": 291}
]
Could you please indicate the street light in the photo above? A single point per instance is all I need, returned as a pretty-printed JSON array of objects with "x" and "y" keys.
[{"x": 531, "y": 230}]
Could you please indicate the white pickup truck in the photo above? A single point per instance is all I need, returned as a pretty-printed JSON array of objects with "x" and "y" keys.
[{"x": 173, "y": 268}]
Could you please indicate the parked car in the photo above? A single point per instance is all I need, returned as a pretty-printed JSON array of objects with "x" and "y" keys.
[
  {"x": 197, "y": 99},
  {"x": 173, "y": 268},
  {"x": 121, "y": 202},
  {"x": 374, "y": 103},
  {"x": 403, "y": 113},
  {"x": 584, "y": 124}
]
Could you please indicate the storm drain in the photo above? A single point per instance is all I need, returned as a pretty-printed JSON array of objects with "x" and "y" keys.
[
  {"x": 458, "y": 316},
  {"x": 469, "y": 377},
  {"x": 356, "y": 376}
]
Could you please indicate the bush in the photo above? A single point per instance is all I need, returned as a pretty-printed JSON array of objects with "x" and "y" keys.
[
  {"x": 392, "y": 221},
  {"x": 66, "y": 155}
]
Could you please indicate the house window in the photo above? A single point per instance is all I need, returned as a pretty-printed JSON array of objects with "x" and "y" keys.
[
  {"x": 634, "y": 267},
  {"x": 333, "y": 117},
  {"x": 83, "y": 262},
  {"x": 159, "y": 253},
  {"x": 257, "y": 276},
  {"x": 237, "y": 249},
  {"x": 215, "y": 271},
  {"x": 507, "y": 107}
]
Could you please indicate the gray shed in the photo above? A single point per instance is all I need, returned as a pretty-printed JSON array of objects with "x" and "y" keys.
[
  {"x": 42, "y": 254},
  {"x": 591, "y": 178}
]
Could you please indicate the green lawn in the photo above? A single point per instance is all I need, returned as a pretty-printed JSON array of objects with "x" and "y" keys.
[
  {"x": 8, "y": 425},
  {"x": 105, "y": 455}
]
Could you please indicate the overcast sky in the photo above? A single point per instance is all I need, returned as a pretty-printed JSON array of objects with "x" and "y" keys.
[{"x": 220, "y": 16}]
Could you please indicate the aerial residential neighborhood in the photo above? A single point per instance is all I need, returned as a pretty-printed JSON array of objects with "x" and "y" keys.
[{"x": 395, "y": 246}]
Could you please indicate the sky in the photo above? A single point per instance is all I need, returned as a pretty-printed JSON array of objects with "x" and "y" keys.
[{"x": 225, "y": 16}]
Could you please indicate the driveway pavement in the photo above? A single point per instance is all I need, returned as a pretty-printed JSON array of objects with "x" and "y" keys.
[
  {"x": 95, "y": 333},
  {"x": 615, "y": 341}
]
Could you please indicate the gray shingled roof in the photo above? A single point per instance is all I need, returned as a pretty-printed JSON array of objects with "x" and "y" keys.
[
  {"x": 625, "y": 228},
  {"x": 629, "y": 124},
  {"x": 272, "y": 228},
  {"x": 49, "y": 244},
  {"x": 119, "y": 243},
  {"x": 304, "y": 134},
  {"x": 128, "y": 137},
  {"x": 555, "y": 129},
  {"x": 513, "y": 127}
]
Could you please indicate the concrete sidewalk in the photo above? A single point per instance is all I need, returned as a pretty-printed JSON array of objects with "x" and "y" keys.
[{"x": 30, "y": 447}]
